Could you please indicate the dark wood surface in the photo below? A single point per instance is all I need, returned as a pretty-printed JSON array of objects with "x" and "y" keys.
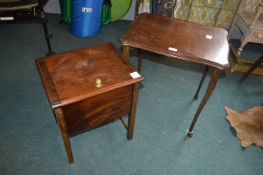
[
  {"x": 157, "y": 34},
  {"x": 97, "y": 110},
  {"x": 89, "y": 87},
  {"x": 181, "y": 40},
  {"x": 71, "y": 76}
]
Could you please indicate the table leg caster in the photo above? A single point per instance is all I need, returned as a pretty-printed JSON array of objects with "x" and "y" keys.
[{"x": 190, "y": 133}]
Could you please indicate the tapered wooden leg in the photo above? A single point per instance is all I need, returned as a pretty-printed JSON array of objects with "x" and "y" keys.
[
  {"x": 131, "y": 119},
  {"x": 64, "y": 133},
  {"x": 251, "y": 69},
  {"x": 126, "y": 52},
  {"x": 201, "y": 82},
  {"x": 212, "y": 84},
  {"x": 139, "y": 63}
]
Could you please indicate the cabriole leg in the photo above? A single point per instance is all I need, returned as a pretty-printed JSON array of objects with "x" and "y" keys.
[
  {"x": 201, "y": 82},
  {"x": 212, "y": 84}
]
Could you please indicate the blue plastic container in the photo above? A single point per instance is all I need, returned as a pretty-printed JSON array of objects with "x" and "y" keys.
[{"x": 86, "y": 17}]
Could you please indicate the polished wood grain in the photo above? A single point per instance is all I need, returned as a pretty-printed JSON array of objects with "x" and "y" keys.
[
  {"x": 74, "y": 74},
  {"x": 89, "y": 87},
  {"x": 131, "y": 119},
  {"x": 181, "y": 40},
  {"x": 157, "y": 34},
  {"x": 98, "y": 110}
]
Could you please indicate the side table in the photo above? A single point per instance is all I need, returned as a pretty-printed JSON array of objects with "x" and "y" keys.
[
  {"x": 181, "y": 40},
  {"x": 89, "y": 87}
]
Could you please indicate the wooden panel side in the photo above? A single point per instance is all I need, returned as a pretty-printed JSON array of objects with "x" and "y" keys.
[
  {"x": 98, "y": 110},
  {"x": 47, "y": 82}
]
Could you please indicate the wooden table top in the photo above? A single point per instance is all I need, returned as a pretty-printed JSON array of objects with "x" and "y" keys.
[
  {"x": 73, "y": 76},
  {"x": 179, "y": 39}
]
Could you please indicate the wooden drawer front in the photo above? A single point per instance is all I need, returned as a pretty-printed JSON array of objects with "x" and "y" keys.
[{"x": 97, "y": 110}]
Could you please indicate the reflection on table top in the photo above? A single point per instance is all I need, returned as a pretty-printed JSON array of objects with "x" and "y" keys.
[{"x": 180, "y": 39}]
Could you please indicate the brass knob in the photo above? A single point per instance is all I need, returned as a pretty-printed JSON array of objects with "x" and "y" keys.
[{"x": 98, "y": 83}]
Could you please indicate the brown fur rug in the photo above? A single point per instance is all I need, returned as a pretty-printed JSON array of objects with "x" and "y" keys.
[{"x": 248, "y": 125}]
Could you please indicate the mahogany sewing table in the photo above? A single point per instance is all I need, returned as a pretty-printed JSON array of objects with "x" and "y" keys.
[
  {"x": 89, "y": 87},
  {"x": 181, "y": 40}
]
